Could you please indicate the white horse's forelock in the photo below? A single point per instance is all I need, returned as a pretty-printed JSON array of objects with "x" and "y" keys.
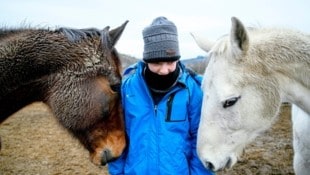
[{"x": 250, "y": 73}]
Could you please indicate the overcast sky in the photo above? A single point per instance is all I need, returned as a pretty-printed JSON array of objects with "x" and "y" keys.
[{"x": 210, "y": 18}]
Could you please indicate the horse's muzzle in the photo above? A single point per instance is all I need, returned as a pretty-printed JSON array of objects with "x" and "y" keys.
[
  {"x": 210, "y": 166},
  {"x": 106, "y": 157}
]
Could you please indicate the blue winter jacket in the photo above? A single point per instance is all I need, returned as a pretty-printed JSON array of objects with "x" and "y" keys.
[{"x": 162, "y": 137}]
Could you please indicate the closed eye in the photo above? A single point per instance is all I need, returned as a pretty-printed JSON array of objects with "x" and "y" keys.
[
  {"x": 116, "y": 88},
  {"x": 230, "y": 102}
]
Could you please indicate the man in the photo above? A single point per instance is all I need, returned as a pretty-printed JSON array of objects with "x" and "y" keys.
[{"x": 162, "y": 103}]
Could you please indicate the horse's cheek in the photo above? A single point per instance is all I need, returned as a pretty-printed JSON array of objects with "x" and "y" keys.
[{"x": 108, "y": 137}]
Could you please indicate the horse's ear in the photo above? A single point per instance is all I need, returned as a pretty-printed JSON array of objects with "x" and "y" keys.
[
  {"x": 107, "y": 28},
  {"x": 203, "y": 43},
  {"x": 116, "y": 33},
  {"x": 238, "y": 35}
]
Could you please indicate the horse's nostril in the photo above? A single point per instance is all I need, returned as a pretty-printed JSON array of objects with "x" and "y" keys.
[
  {"x": 229, "y": 163},
  {"x": 106, "y": 157},
  {"x": 209, "y": 166}
]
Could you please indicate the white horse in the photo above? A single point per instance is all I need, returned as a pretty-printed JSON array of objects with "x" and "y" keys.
[{"x": 250, "y": 73}]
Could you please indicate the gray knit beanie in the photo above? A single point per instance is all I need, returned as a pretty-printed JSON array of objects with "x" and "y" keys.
[{"x": 160, "y": 41}]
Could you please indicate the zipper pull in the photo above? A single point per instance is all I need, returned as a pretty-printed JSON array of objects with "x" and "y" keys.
[{"x": 155, "y": 110}]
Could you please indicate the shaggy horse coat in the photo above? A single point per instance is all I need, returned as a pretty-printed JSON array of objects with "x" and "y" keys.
[{"x": 76, "y": 72}]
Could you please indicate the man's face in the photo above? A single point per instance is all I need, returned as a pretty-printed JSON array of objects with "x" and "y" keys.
[{"x": 162, "y": 68}]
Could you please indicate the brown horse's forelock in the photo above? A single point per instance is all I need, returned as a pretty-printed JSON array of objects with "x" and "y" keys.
[
  {"x": 111, "y": 65},
  {"x": 76, "y": 35}
]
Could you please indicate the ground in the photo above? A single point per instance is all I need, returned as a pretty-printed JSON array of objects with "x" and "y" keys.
[{"x": 34, "y": 143}]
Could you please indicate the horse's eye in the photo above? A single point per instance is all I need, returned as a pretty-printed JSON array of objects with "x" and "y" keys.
[
  {"x": 230, "y": 102},
  {"x": 116, "y": 88}
]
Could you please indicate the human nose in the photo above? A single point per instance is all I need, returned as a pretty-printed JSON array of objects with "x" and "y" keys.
[{"x": 164, "y": 69}]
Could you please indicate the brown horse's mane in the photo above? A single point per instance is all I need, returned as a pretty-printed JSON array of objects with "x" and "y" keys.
[
  {"x": 78, "y": 34},
  {"x": 72, "y": 34}
]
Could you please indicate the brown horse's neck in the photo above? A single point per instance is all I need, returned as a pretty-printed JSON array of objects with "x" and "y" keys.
[
  {"x": 24, "y": 66},
  {"x": 20, "y": 97}
]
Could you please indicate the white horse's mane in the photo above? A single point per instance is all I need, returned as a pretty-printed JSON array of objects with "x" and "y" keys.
[{"x": 262, "y": 42}]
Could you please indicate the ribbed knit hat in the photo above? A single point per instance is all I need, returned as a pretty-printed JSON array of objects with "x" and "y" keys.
[{"x": 160, "y": 41}]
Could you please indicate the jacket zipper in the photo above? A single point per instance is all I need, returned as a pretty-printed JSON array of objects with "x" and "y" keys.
[{"x": 155, "y": 110}]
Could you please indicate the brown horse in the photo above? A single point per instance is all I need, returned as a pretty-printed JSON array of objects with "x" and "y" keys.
[{"x": 76, "y": 72}]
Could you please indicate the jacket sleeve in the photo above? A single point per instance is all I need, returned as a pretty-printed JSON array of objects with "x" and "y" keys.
[{"x": 196, "y": 166}]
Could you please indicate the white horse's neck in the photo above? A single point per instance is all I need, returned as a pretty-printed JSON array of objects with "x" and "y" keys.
[
  {"x": 290, "y": 63},
  {"x": 295, "y": 92}
]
